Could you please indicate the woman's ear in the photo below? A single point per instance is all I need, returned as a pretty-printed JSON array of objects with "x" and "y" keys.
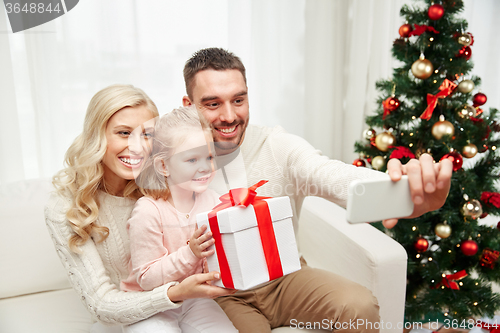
[{"x": 160, "y": 166}]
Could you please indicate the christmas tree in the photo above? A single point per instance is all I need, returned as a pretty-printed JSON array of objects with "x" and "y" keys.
[{"x": 432, "y": 105}]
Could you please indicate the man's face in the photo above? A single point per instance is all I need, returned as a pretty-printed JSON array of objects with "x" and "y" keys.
[{"x": 221, "y": 96}]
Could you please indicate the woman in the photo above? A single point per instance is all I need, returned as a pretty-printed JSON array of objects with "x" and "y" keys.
[{"x": 96, "y": 192}]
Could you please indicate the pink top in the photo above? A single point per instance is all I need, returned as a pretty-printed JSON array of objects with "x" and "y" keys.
[{"x": 158, "y": 242}]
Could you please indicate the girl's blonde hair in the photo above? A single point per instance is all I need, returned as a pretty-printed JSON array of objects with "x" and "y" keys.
[
  {"x": 171, "y": 130},
  {"x": 83, "y": 175}
]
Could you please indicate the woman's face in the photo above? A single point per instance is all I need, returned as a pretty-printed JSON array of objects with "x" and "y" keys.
[{"x": 129, "y": 135}]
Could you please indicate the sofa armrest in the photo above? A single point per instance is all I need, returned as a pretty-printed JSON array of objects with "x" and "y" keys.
[{"x": 359, "y": 252}]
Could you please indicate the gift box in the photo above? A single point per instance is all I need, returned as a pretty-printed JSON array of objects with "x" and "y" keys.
[{"x": 254, "y": 239}]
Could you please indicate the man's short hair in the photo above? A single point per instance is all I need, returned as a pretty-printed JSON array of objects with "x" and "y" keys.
[{"x": 210, "y": 58}]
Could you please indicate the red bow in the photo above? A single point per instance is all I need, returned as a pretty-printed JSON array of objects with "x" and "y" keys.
[
  {"x": 420, "y": 29},
  {"x": 449, "y": 280},
  {"x": 246, "y": 197},
  {"x": 490, "y": 327},
  {"x": 446, "y": 88}
]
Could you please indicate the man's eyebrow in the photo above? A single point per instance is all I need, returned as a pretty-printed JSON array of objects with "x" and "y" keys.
[{"x": 211, "y": 98}]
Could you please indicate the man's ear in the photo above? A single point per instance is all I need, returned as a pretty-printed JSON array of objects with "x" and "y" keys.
[{"x": 186, "y": 101}]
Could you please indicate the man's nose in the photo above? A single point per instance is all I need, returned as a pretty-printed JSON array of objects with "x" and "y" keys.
[{"x": 227, "y": 113}]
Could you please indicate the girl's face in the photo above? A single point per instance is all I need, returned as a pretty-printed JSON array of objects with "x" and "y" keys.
[
  {"x": 191, "y": 167},
  {"x": 129, "y": 136}
]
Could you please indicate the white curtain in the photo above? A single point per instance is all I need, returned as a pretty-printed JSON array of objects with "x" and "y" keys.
[{"x": 311, "y": 66}]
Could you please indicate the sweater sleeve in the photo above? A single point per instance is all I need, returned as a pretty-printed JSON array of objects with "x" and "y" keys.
[
  {"x": 312, "y": 173},
  {"x": 152, "y": 263},
  {"x": 89, "y": 278}
]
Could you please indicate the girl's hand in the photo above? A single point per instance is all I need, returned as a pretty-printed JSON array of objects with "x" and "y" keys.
[
  {"x": 197, "y": 286},
  {"x": 200, "y": 241}
]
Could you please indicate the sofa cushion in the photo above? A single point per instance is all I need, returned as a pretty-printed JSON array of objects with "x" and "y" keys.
[
  {"x": 58, "y": 311},
  {"x": 29, "y": 262}
]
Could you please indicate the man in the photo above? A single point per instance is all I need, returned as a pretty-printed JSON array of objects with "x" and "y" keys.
[{"x": 216, "y": 84}]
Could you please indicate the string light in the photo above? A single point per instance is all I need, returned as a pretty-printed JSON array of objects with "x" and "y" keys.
[
  {"x": 418, "y": 255},
  {"x": 410, "y": 145},
  {"x": 414, "y": 228},
  {"x": 413, "y": 117},
  {"x": 446, "y": 314},
  {"x": 475, "y": 303},
  {"x": 430, "y": 259},
  {"x": 431, "y": 39},
  {"x": 461, "y": 283},
  {"x": 493, "y": 147},
  {"x": 449, "y": 251}
]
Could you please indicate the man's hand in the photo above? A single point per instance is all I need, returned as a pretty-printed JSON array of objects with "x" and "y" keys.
[
  {"x": 200, "y": 241},
  {"x": 429, "y": 183}
]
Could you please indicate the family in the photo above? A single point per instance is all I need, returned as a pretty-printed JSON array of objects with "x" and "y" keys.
[{"x": 124, "y": 213}]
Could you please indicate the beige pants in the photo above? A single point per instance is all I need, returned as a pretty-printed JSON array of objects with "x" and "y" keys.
[{"x": 309, "y": 298}]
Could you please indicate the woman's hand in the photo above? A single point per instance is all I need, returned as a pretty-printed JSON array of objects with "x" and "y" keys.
[{"x": 197, "y": 286}]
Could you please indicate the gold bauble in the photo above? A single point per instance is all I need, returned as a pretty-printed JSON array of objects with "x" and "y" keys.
[
  {"x": 467, "y": 111},
  {"x": 466, "y": 86},
  {"x": 469, "y": 150},
  {"x": 422, "y": 68},
  {"x": 378, "y": 162},
  {"x": 472, "y": 208},
  {"x": 442, "y": 128},
  {"x": 464, "y": 39},
  {"x": 442, "y": 230},
  {"x": 384, "y": 140},
  {"x": 421, "y": 151},
  {"x": 369, "y": 133}
]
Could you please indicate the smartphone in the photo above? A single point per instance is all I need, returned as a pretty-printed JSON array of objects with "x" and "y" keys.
[{"x": 371, "y": 200}]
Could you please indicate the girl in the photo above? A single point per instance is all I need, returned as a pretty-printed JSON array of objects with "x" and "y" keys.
[
  {"x": 165, "y": 244},
  {"x": 87, "y": 215}
]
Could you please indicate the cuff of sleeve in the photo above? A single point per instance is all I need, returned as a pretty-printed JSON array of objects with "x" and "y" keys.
[{"x": 160, "y": 300}]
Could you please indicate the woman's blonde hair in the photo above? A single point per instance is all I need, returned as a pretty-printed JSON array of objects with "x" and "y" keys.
[
  {"x": 171, "y": 130},
  {"x": 83, "y": 175}
]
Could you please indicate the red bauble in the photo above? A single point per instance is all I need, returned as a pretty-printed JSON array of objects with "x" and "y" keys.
[
  {"x": 405, "y": 30},
  {"x": 469, "y": 247},
  {"x": 359, "y": 162},
  {"x": 498, "y": 225},
  {"x": 421, "y": 244},
  {"x": 479, "y": 99},
  {"x": 435, "y": 12},
  {"x": 465, "y": 52},
  {"x": 458, "y": 160},
  {"x": 392, "y": 103}
]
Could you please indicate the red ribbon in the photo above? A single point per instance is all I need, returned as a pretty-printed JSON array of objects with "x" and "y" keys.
[
  {"x": 449, "y": 280},
  {"x": 246, "y": 197},
  {"x": 446, "y": 88},
  {"x": 490, "y": 327}
]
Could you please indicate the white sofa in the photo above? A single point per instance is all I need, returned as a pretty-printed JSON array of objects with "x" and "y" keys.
[{"x": 35, "y": 295}]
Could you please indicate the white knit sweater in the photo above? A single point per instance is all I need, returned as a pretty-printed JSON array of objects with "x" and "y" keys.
[{"x": 96, "y": 272}]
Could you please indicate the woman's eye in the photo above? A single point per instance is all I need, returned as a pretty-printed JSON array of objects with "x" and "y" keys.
[
  {"x": 210, "y": 158},
  {"x": 192, "y": 160},
  {"x": 124, "y": 133},
  {"x": 147, "y": 135}
]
